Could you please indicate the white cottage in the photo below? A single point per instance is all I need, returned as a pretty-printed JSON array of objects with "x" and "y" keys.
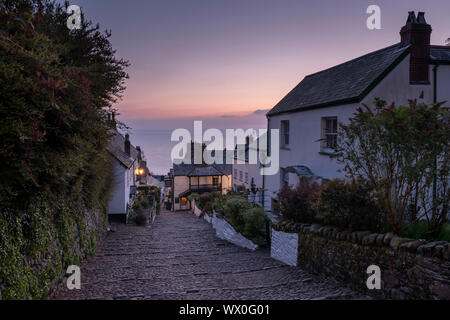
[
  {"x": 188, "y": 178},
  {"x": 125, "y": 159},
  {"x": 308, "y": 116}
]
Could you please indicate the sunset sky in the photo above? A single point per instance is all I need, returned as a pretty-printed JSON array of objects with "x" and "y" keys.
[{"x": 228, "y": 61}]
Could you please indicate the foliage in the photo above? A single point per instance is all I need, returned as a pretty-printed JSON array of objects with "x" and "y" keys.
[
  {"x": 349, "y": 205},
  {"x": 205, "y": 201},
  {"x": 445, "y": 233},
  {"x": 141, "y": 219},
  {"x": 255, "y": 220},
  {"x": 193, "y": 196},
  {"x": 403, "y": 153},
  {"x": 421, "y": 230},
  {"x": 57, "y": 87},
  {"x": 234, "y": 211},
  {"x": 297, "y": 204}
]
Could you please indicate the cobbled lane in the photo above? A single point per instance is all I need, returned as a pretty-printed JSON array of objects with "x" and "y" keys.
[{"x": 180, "y": 257}]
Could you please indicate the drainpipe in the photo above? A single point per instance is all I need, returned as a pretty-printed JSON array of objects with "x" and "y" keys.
[
  {"x": 263, "y": 165},
  {"x": 435, "y": 160}
]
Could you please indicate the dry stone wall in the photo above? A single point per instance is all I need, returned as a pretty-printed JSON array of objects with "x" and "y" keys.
[{"x": 410, "y": 269}]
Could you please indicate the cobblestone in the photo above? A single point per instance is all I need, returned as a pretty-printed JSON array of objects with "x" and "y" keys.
[{"x": 180, "y": 257}]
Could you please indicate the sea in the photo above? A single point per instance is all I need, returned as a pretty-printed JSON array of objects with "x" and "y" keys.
[{"x": 157, "y": 148}]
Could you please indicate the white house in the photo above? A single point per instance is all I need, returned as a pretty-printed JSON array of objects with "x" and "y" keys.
[
  {"x": 308, "y": 116},
  {"x": 191, "y": 178},
  {"x": 125, "y": 159},
  {"x": 246, "y": 175}
]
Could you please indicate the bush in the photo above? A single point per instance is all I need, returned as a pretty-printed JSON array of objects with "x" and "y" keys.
[
  {"x": 422, "y": 230},
  {"x": 203, "y": 199},
  {"x": 403, "y": 151},
  {"x": 255, "y": 225},
  {"x": 141, "y": 205},
  {"x": 297, "y": 204},
  {"x": 349, "y": 205},
  {"x": 57, "y": 88},
  {"x": 234, "y": 211},
  {"x": 141, "y": 219},
  {"x": 193, "y": 196}
]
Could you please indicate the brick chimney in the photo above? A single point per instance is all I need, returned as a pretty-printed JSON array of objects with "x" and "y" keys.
[
  {"x": 417, "y": 33},
  {"x": 127, "y": 144}
]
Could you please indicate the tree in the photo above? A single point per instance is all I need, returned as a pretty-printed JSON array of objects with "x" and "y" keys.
[
  {"x": 57, "y": 87},
  {"x": 403, "y": 152}
]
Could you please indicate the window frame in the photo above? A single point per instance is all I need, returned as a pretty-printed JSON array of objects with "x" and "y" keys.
[
  {"x": 329, "y": 128},
  {"x": 285, "y": 133}
]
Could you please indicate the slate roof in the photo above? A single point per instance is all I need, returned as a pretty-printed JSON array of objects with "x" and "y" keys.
[
  {"x": 117, "y": 149},
  {"x": 440, "y": 54},
  {"x": 344, "y": 83},
  {"x": 192, "y": 170}
]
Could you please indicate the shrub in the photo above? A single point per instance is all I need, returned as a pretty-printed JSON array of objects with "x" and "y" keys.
[
  {"x": 422, "y": 230},
  {"x": 349, "y": 205},
  {"x": 255, "y": 225},
  {"x": 193, "y": 196},
  {"x": 234, "y": 211},
  {"x": 57, "y": 87},
  {"x": 141, "y": 219},
  {"x": 141, "y": 205},
  {"x": 403, "y": 151},
  {"x": 297, "y": 204},
  {"x": 203, "y": 199}
]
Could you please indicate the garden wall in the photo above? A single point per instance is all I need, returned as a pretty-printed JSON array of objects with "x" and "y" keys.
[
  {"x": 225, "y": 231},
  {"x": 410, "y": 269}
]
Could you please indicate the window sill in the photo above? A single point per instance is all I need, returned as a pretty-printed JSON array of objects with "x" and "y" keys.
[{"x": 287, "y": 148}]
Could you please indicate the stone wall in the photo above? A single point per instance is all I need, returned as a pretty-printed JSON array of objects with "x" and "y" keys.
[
  {"x": 38, "y": 273},
  {"x": 410, "y": 269}
]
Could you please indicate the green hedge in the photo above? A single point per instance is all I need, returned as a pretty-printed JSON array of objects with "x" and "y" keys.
[{"x": 57, "y": 88}]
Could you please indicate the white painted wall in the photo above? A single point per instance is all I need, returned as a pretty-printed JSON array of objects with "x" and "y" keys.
[
  {"x": 117, "y": 202},
  {"x": 305, "y": 127}
]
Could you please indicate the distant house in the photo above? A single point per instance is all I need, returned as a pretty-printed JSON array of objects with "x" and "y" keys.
[
  {"x": 248, "y": 176},
  {"x": 198, "y": 178},
  {"x": 308, "y": 116},
  {"x": 125, "y": 159}
]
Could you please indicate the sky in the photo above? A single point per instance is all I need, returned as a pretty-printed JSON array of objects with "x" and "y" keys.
[{"x": 228, "y": 61}]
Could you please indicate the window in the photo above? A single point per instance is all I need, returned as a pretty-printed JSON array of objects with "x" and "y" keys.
[
  {"x": 329, "y": 134},
  {"x": 235, "y": 173},
  {"x": 215, "y": 181},
  {"x": 246, "y": 177},
  {"x": 284, "y": 133},
  {"x": 240, "y": 175}
]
